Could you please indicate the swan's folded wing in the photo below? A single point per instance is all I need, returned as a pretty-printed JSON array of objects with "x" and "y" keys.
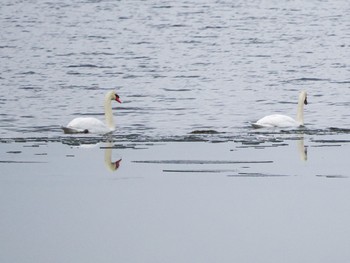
[
  {"x": 67, "y": 130},
  {"x": 276, "y": 120},
  {"x": 87, "y": 125}
]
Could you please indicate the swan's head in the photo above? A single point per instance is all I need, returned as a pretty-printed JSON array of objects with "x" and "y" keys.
[
  {"x": 118, "y": 99},
  {"x": 113, "y": 96},
  {"x": 303, "y": 97}
]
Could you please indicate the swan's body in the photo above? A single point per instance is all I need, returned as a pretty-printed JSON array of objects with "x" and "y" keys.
[
  {"x": 276, "y": 120},
  {"x": 283, "y": 121},
  {"x": 93, "y": 125}
]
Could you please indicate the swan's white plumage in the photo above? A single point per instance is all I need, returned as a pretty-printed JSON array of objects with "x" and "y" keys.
[
  {"x": 283, "y": 121},
  {"x": 93, "y": 125},
  {"x": 88, "y": 124},
  {"x": 276, "y": 120}
]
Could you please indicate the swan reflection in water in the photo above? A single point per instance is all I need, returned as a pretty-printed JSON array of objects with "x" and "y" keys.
[
  {"x": 111, "y": 165},
  {"x": 302, "y": 149}
]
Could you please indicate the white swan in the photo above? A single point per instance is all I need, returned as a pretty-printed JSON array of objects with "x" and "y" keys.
[
  {"x": 93, "y": 125},
  {"x": 283, "y": 121}
]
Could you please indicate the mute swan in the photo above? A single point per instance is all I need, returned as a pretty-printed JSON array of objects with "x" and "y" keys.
[
  {"x": 93, "y": 125},
  {"x": 283, "y": 121}
]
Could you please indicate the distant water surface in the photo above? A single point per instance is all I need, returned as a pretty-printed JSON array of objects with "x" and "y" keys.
[{"x": 178, "y": 66}]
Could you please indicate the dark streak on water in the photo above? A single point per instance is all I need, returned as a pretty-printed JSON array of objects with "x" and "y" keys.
[
  {"x": 257, "y": 175},
  {"x": 201, "y": 162},
  {"x": 332, "y": 176},
  {"x": 18, "y": 162},
  {"x": 197, "y": 171}
]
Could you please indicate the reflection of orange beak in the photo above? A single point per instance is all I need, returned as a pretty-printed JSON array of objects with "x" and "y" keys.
[
  {"x": 117, "y": 99},
  {"x": 117, "y": 164}
]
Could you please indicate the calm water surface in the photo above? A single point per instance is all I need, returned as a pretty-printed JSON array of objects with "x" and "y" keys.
[{"x": 175, "y": 202}]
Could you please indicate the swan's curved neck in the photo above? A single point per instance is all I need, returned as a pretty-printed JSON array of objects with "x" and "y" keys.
[
  {"x": 300, "y": 112},
  {"x": 109, "y": 114}
]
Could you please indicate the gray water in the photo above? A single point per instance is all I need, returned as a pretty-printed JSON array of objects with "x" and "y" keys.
[
  {"x": 175, "y": 202},
  {"x": 177, "y": 66},
  {"x": 184, "y": 178}
]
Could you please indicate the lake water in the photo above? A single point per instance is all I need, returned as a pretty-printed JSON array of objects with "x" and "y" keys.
[
  {"x": 195, "y": 182},
  {"x": 177, "y": 66}
]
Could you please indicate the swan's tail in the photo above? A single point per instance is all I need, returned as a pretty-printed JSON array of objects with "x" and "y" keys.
[
  {"x": 67, "y": 130},
  {"x": 257, "y": 126}
]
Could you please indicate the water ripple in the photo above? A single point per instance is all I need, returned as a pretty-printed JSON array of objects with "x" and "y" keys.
[{"x": 178, "y": 66}]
